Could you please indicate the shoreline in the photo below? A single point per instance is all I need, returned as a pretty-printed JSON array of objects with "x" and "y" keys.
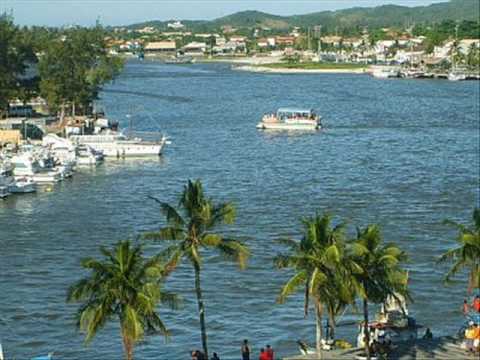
[{"x": 266, "y": 70}]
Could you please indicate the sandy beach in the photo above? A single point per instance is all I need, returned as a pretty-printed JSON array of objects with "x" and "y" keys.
[{"x": 264, "y": 69}]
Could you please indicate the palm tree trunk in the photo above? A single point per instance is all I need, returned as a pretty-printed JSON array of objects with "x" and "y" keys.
[
  {"x": 127, "y": 346},
  {"x": 331, "y": 320},
  {"x": 318, "y": 313},
  {"x": 365, "y": 329},
  {"x": 201, "y": 309}
]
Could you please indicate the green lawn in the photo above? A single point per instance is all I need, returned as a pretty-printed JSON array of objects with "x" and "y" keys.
[{"x": 315, "y": 66}]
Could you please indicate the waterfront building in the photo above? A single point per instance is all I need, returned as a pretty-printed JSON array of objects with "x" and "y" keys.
[{"x": 161, "y": 47}]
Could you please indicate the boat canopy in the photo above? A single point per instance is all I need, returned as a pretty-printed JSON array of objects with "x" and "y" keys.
[{"x": 295, "y": 111}]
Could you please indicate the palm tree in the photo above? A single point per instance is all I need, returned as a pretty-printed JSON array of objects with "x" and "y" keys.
[
  {"x": 123, "y": 285},
  {"x": 375, "y": 271},
  {"x": 467, "y": 254},
  {"x": 316, "y": 260},
  {"x": 190, "y": 227}
]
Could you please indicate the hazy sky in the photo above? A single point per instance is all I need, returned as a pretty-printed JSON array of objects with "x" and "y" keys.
[{"x": 122, "y": 12}]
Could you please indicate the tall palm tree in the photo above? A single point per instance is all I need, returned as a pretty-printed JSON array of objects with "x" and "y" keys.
[
  {"x": 316, "y": 260},
  {"x": 191, "y": 229},
  {"x": 467, "y": 254},
  {"x": 123, "y": 285},
  {"x": 375, "y": 271}
]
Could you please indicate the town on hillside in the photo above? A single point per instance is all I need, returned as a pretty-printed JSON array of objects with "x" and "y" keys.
[{"x": 439, "y": 46}]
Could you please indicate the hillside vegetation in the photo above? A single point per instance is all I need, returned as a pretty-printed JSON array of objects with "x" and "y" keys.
[{"x": 376, "y": 17}]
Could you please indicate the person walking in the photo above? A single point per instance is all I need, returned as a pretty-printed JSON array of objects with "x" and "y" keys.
[
  {"x": 245, "y": 350},
  {"x": 270, "y": 353},
  {"x": 263, "y": 355}
]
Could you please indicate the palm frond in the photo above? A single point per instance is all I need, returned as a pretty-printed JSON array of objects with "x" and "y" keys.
[
  {"x": 167, "y": 233},
  {"x": 234, "y": 250},
  {"x": 292, "y": 285}
]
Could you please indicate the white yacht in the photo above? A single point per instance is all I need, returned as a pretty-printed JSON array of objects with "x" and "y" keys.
[
  {"x": 4, "y": 192},
  {"x": 27, "y": 166},
  {"x": 23, "y": 186},
  {"x": 86, "y": 155},
  {"x": 457, "y": 74},
  {"x": 290, "y": 119},
  {"x": 385, "y": 73},
  {"x": 113, "y": 144},
  {"x": 20, "y": 185}
]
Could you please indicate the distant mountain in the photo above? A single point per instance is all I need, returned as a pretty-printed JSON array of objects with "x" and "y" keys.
[{"x": 380, "y": 16}]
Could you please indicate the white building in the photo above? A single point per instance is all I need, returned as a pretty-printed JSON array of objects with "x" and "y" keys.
[
  {"x": 195, "y": 48},
  {"x": 175, "y": 25}
]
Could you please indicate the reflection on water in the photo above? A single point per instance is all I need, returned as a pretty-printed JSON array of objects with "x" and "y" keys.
[{"x": 404, "y": 154}]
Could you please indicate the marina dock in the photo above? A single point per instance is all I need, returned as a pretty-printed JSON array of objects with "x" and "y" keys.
[{"x": 443, "y": 348}]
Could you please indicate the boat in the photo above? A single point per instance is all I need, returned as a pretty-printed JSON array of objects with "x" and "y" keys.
[
  {"x": 27, "y": 166},
  {"x": 457, "y": 74},
  {"x": 385, "y": 73},
  {"x": 392, "y": 324},
  {"x": 86, "y": 155},
  {"x": 180, "y": 60},
  {"x": 114, "y": 144},
  {"x": 290, "y": 119},
  {"x": 4, "y": 191},
  {"x": 23, "y": 186}
]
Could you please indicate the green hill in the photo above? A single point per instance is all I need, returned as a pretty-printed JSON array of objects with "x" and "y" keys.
[{"x": 375, "y": 17}]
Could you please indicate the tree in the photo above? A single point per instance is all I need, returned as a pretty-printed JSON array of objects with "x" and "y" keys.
[
  {"x": 191, "y": 229},
  {"x": 467, "y": 254},
  {"x": 126, "y": 286},
  {"x": 13, "y": 55},
  {"x": 74, "y": 67},
  {"x": 375, "y": 271},
  {"x": 316, "y": 261}
]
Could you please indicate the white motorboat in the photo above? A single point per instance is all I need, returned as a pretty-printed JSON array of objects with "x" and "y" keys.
[
  {"x": 385, "y": 73},
  {"x": 290, "y": 119},
  {"x": 4, "y": 191},
  {"x": 86, "y": 155},
  {"x": 392, "y": 324},
  {"x": 457, "y": 75},
  {"x": 115, "y": 144},
  {"x": 25, "y": 165},
  {"x": 23, "y": 186}
]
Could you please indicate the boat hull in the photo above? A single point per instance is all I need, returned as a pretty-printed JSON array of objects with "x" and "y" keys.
[{"x": 289, "y": 127}]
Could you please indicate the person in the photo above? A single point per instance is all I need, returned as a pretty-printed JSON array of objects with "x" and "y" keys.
[
  {"x": 200, "y": 355},
  {"x": 476, "y": 337},
  {"x": 469, "y": 336},
  {"x": 270, "y": 353},
  {"x": 466, "y": 307},
  {"x": 194, "y": 355},
  {"x": 263, "y": 354},
  {"x": 476, "y": 304},
  {"x": 245, "y": 350},
  {"x": 215, "y": 356},
  {"x": 428, "y": 334}
]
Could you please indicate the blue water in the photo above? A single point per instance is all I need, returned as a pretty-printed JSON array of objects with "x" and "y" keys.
[{"x": 401, "y": 153}]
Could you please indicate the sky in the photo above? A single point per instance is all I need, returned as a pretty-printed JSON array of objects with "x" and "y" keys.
[{"x": 123, "y": 12}]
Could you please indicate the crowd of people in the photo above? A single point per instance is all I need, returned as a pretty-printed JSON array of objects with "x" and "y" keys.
[
  {"x": 472, "y": 331},
  {"x": 266, "y": 353}
]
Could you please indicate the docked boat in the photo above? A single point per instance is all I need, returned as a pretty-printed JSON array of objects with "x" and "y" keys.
[
  {"x": 392, "y": 324},
  {"x": 457, "y": 74},
  {"x": 290, "y": 119},
  {"x": 180, "y": 60},
  {"x": 4, "y": 191},
  {"x": 86, "y": 155},
  {"x": 115, "y": 144},
  {"x": 385, "y": 73},
  {"x": 23, "y": 186},
  {"x": 26, "y": 166}
]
